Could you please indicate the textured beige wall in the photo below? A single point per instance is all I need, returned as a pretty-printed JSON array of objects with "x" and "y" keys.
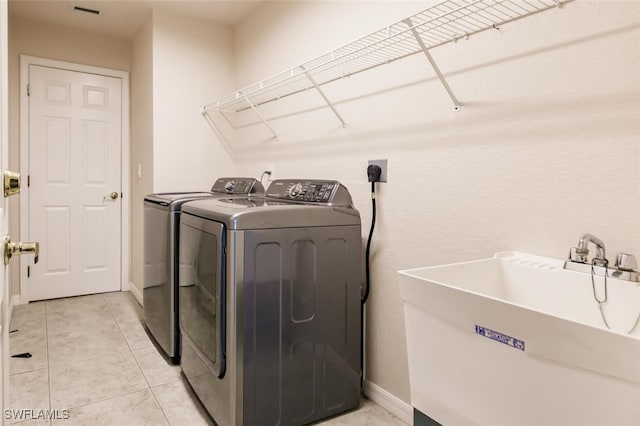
[
  {"x": 141, "y": 142},
  {"x": 54, "y": 42},
  {"x": 544, "y": 149},
  {"x": 178, "y": 64},
  {"x": 192, "y": 63}
]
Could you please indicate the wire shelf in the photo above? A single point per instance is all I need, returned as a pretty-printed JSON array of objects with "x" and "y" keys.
[
  {"x": 448, "y": 21},
  {"x": 445, "y": 22}
]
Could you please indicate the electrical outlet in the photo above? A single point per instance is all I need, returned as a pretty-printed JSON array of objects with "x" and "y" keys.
[{"x": 383, "y": 167}]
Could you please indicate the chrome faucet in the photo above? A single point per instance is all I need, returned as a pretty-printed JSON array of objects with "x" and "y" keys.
[
  {"x": 580, "y": 253},
  {"x": 625, "y": 267}
]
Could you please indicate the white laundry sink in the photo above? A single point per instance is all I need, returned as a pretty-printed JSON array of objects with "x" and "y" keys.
[{"x": 518, "y": 340}]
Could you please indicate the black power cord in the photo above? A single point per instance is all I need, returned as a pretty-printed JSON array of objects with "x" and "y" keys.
[{"x": 373, "y": 173}]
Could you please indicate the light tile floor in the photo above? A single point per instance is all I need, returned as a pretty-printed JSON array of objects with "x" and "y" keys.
[{"x": 92, "y": 356}]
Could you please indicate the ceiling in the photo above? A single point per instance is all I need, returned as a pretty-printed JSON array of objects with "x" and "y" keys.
[{"x": 123, "y": 18}]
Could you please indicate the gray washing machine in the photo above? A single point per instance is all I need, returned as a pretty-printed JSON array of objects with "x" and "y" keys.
[
  {"x": 270, "y": 304},
  {"x": 161, "y": 255}
]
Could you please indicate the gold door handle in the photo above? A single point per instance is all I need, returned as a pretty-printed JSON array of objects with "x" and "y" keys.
[
  {"x": 11, "y": 183},
  {"x": 114, "y": 196},
  {"x": 11, "y": 248}
]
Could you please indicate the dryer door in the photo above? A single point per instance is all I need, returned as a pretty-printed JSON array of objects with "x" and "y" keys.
[
  {"x": 202, "y": 288},
  {"x": 158, "y": 283}
]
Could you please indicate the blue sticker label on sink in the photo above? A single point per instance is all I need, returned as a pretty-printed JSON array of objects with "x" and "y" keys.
[{"x": 499, "y": 337}]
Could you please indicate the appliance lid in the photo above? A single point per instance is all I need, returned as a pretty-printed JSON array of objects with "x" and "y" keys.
[
  {"x": 173, "y": 200},
  {"x": 173, "y": 196},
  {"x": 288, "y": 203},
  {"x": 223, "y": 187},
  {"x": 247, "y": 213}
]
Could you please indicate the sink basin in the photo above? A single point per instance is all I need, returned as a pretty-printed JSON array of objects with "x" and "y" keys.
[{"x": 517, "y": 340}]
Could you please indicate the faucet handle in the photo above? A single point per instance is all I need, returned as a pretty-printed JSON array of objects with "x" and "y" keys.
[
  {"x": 579, "y": 255},
  {"x": 626, "y": 262}
]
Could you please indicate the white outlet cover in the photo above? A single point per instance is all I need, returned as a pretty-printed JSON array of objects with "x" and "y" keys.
[{"x": 383, "y": 166}]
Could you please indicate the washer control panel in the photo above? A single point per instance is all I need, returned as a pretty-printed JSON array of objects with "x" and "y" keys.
[
  {"x": 310, "y": 191},
  {"x": 235, "y": 185}
]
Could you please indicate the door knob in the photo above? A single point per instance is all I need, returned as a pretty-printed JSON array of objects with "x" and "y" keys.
[
  {"x": 11, "y": 248},
  {"x": 114, "y": 195}
]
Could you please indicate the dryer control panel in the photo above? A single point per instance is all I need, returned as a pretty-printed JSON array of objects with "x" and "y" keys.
[
  {"x": 237, "y": 185},
  {"x": 310, "y": 191}
]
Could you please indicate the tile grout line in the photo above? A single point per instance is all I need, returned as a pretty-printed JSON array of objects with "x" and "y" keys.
[
  {"x": 46, "y": 336},
  {"x": 89, "y": 359},
  {"x": 107, "y": 399},
  {"x": 34, "y": 369},
  {"x": 82, "y": 330},
  {"x": 130, "y": 350},
  {"x": 139, "y": 367},
  {"x": 25, "y": 339},
  {"x": 28, "y": 371},
  {"x": 99, "y": 327},
  {"x": 62, "y": 364}
]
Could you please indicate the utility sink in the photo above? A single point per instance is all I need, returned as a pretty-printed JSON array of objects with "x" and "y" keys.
[{"x": 517, "y": 340}]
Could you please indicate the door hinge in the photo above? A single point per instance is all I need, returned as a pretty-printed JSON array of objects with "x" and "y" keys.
[
  {"x": 28, "y": 181},
  {"x": 28, "y": 89},
  {"x": 28, "y": 271}
]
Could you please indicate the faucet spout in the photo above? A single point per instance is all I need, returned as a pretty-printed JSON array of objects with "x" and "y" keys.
[{"x": 584, "y": 250}]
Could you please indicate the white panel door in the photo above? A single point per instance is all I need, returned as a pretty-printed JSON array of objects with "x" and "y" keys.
[{"x": 75, "y": 141}]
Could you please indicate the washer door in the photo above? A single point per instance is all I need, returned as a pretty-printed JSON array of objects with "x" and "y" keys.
[{"x": 202, "y": 289}]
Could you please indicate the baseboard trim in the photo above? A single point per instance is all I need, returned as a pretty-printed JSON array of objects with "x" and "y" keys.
[
  {"x": 389, "y": 402},
  {"x": 13, "y": 302},
  {"x": 136, "y": 293}
]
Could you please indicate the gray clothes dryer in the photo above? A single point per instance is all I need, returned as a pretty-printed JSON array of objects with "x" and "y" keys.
[
  {"x": 161, "y": 256},
  {"x": 270, "y": 304}
]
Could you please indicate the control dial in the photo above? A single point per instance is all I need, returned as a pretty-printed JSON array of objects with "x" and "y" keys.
[
  {"x": 295, "y": 190},
  {"x": 229, "y": 185}
]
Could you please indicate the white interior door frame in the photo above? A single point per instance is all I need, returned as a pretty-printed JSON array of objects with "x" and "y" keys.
[
  {"x": 25, "y": 62},
  {"x": 5, "y": 309}
]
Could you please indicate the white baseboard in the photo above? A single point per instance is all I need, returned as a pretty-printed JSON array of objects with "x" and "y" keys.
[
  {"x": 136, "y": 293},
  {"x": 14, "y": 301},
  {"x": 389, "y": 402}
]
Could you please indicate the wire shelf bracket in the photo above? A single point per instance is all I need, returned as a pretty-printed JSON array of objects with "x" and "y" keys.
[
  {"x": 216, "y": 130},
  {"x": 445, "y": 22},
  {"x": 456, "y": 103},
  {"x": 329, "y": 104},
  {"x": 255, "y": 109}
]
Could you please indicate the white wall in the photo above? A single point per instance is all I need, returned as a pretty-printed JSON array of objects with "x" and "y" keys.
[
  {"x": 192, "y": 62},
  {"x": 33, "y": 38},
  {"x": 178, "y": 64},
  {"x": 544, "y": 149},
  {"x": 141, "y": 142}
]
